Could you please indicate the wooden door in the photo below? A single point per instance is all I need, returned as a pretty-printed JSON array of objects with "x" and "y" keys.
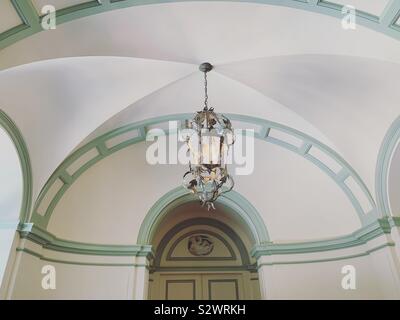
[{"x": 192, "y": 286}]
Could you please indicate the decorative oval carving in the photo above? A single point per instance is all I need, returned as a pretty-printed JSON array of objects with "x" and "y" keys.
[{"x": 200, "y": 245}]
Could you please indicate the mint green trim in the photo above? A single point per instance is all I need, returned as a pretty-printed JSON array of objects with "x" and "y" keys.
[
  {"x": 30, "y": 23},
  {"x": 16, "y": 136},
  {"x": 394, "y": 222},
  {"x": 352, "y": 256},
  {"x": 384, "y": 24},
  {"x": 97, "y": 264},
  {"x": 357, "y": 238},
  {"x": 389, "y": 144},
  {"x": 252, "y": 268},
  {"x": 27, "y": 12},
  {"x": 308, "y": 142},
  {"x": 50, "y": 242},
  {"x": 236, "y": 203}
]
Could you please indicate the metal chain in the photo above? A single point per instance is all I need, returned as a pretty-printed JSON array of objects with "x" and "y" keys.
[{"x": 205, "y": 92}]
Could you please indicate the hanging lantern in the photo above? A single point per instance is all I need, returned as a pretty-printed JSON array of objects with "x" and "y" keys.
[{"x": 209, "y": 140}]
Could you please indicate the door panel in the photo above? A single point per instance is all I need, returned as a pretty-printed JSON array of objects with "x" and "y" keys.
[
  {"x": 180, "y": 287},
  {"x": 222, "y": 286},
  {"x": 218, "y": 286}
]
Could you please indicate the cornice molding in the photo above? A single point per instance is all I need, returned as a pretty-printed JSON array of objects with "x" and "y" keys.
[
  {"x": 360, "y": 237},
  {"x": 49, "y": 242}
]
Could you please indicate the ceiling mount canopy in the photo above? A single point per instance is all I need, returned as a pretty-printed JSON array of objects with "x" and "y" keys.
[
  {"x": 209, "y": 137},
  {"x": 206, "y": 67}
]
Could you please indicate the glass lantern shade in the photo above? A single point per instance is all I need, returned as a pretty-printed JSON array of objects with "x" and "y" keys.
[{"x": 210, "y": 138}]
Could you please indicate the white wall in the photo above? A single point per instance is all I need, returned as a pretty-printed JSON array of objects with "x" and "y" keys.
[
  {"x": 320, "y": 281},
  {"x": 76, "y": 281},
  {"x": 7, "y": 233}
]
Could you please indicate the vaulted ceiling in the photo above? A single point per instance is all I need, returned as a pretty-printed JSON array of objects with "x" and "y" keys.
[{"x": 114, "y": 63}]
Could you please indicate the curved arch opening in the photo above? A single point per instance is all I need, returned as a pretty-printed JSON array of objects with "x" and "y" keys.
[
  {"x": 202, "y": 255},
  {"x": 233, "y": 202}
]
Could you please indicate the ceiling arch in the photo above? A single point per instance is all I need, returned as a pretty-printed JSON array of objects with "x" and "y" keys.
[
  {"x": 71, "y": 97},
  {"x": 9, "y": 126},
  {"x": 28, "y": 11},
  {"x": 233, "y": 201},
  {"x": 325, "y": 158},
  {"x": 178, "y": 31},
  {"x": 393, "y": 181},
  {"x": 387, "y": 158},
  {"x": 319, "y": 55}
]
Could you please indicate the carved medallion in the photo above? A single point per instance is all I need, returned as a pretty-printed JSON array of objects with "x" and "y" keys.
[{"x": 200, "y": 245}]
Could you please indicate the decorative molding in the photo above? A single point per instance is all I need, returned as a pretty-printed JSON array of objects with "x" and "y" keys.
[
  {"x": 48, "y": 241},
  {"x": 61, "y": 174},
  {"x": 250, "y": 268},
  {"x": 389, "y": 144},
  {"x": 357, "y": 238},
  {"x": 30, "y": 23},
  {"x": 23, "y": 154},
  {"x": 245, "y": 259},
  {"x": 80, "y": 263},
  {"x": 169, "y": 256},
  {"x": 346, "y": 257},
  {"x": 385, "y": 24},
  {"x": 200, "y": 244}
]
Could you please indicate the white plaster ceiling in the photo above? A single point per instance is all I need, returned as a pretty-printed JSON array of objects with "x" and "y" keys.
[
  {"x": 291, "y": 66},
  {"x": 59, "y": 102},
  {"x": 194, "y": 32}
]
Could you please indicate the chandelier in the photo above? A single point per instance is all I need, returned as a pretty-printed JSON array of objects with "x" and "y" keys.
[{"x": 209, "y": 138}]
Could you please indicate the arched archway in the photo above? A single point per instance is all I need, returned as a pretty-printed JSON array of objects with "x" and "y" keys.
[
  {"x": 233, "y": 201},
  {"x": 202, "y": 255}
]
